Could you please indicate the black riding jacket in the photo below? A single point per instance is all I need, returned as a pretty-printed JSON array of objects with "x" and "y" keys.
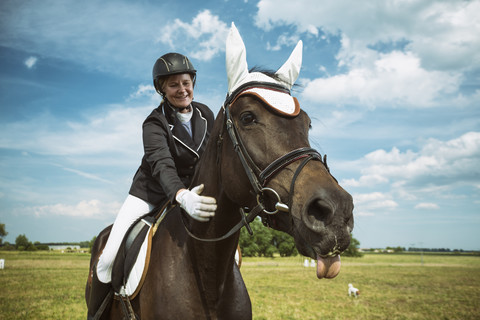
[{"x": 170, "y": 154}]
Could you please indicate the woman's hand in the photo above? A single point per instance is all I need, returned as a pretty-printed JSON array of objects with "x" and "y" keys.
[{"x": 199, "y": 207}]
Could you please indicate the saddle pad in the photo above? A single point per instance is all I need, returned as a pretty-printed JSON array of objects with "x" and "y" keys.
[{"x": 140, "y": 267}]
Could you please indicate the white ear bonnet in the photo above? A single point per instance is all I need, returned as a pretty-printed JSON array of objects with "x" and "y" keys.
[{"x": 275, "y": 94}]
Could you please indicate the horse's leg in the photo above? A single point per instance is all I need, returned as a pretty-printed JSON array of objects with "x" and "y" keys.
[
  {"x": 94, "y": 255},
  {"x": 236, "y": 302},
  {"x": 97, "y": 248}
]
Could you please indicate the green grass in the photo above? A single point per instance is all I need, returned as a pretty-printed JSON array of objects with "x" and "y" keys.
[
  {"x": 46, "y": 285},
  {"x": 43, "y": 285},
  {"x": 391, "y": 287}
]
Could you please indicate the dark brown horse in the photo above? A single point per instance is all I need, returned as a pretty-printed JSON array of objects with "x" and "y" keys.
[{"x": 255, "y": 158}]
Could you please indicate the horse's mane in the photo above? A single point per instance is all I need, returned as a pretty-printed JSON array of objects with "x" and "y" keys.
[{"x": 267, "y": 72}]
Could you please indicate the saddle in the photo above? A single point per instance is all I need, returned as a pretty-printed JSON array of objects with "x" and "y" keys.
[{"x": 131, "y": 263}]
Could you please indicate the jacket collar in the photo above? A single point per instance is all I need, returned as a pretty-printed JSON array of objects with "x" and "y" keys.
[{"x": 199, "y": 127}]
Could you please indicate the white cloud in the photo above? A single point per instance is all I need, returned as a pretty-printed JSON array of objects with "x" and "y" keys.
[
  {"x": 30, "y": 62},
  {"x": 439, "y": 163},
  {"x": 87, "y": 175},
  {"x": 117, "y": 37},
  {"x": 427, "y": 205},
  {"x": 284, "y": 40},
  {"x": 374, "y": 179},
  {"x": 429, "y": 45},
  {"x": 147, "y": 91},
  {"x": 437, "y": 31},
  {"x": 83, "y": 209},
  {"x": 366, "y": 204},
  {"x": 448, "y": 37},
  {"x": 206, "y": 29},
  {"x": 112, "y": 130},
  {"x": 395, "y": 79}
]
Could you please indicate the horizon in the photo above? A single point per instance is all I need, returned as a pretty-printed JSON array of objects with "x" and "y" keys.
[{"x": 360, "y": 248}]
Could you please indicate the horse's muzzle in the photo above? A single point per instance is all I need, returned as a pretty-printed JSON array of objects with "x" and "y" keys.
[{"x": 327, "y": 221}]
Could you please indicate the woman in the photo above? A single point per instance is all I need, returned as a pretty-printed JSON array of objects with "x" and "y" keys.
[{"x": 174, "y": 136}]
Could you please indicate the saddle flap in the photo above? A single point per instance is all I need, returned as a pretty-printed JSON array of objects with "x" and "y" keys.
[{"x": 129, "y": 250}]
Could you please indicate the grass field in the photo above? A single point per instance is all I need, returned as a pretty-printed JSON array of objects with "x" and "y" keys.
[{"x": 47, "y": 285}]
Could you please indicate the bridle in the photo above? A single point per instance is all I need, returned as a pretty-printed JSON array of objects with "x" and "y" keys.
[{"x": 260, "y": 178}]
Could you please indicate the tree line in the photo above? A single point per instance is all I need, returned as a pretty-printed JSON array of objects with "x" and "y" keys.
[
  {"x": 23, "y": 244},
  {"x": 265, "y": 242}
]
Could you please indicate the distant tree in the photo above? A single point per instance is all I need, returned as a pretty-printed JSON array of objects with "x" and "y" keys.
[
  {"x": 31, "y": 247},
  {"x": 40, "y": 246},
  {"x": 90, "y": 243},
  {"x": 284, "y": 243},
  {"x": 249, "y": 244},
  {"x": 84, "y": 244},
  {"x": 7, "y": 246},
  {"x": 261, "y": 243},
  {"x": 3, "y": 232},
  {"x": 264, "y": 240},
  {"x": 353, "y": 249},
  {"x": 22, "y": 243}
]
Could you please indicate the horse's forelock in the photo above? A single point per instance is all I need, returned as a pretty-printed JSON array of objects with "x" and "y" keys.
[
  {"x": 276, "y": 97},
  {"x": 272, "y": 74}
]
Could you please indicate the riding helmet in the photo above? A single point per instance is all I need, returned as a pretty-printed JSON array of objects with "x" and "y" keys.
[{"x": 170, "y": 64}]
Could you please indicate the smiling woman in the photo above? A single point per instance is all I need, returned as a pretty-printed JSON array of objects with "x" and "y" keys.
[
  {"x": 175, "y": 135},
  {"x": 178, "y": 89}
]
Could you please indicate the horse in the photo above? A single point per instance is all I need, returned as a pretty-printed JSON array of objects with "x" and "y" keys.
[{"x": 258, "y": 162}]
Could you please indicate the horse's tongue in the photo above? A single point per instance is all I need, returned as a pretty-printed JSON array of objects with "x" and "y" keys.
[{"x": 328, "y": 267}]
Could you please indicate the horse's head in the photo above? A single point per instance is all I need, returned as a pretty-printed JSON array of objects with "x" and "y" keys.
[{"x": 270, "y": 132}]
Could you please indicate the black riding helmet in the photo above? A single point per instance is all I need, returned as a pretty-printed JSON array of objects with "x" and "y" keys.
[{"x": 170, "y": 64}]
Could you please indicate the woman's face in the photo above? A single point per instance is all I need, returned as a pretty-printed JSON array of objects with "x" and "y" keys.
[{"x": 178, "y": 90}]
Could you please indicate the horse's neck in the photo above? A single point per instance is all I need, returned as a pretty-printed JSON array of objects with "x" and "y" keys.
[
  {"x": 215, "y": 258},
  {"x": 209, "y": 174},
  {"x": 213, "y": 261}
]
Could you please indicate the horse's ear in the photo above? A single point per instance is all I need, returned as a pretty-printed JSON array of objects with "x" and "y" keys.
[
  {"x": 236, "y": 58},
  {"x": 291, "y": 68}
]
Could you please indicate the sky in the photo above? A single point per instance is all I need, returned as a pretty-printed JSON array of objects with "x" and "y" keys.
[{"x": 392, "y": 88}]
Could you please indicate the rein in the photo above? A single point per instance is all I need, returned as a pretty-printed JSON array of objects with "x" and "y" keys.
[{"x": 259, "y": 178}]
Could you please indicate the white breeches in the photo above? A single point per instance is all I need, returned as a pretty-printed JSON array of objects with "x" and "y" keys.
[{"x": 132, "y": 209}]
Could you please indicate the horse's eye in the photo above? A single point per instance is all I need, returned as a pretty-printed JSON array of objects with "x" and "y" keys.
[{"x": 247, "y": 118}]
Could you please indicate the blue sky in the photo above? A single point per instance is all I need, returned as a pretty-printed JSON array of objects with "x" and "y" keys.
[{"x": 392, "y": 87}]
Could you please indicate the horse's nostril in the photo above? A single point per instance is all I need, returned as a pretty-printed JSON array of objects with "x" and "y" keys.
[{"x": 319, "y": 214}]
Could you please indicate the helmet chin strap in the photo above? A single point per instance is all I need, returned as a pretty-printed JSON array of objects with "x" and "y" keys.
[
  {"x": 188, "y": 108},
  {"x": 176, "y": 109}
]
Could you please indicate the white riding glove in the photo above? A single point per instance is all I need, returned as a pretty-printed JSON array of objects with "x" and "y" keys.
[{"x": 199, "y": 207}]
